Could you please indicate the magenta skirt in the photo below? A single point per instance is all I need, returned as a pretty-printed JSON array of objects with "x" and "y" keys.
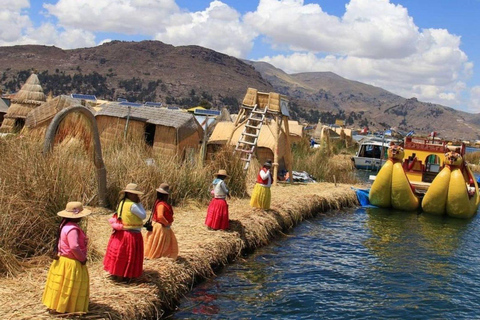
[
  {"x": 217, "y": 214},
  {"x": 124, "y": 256}
]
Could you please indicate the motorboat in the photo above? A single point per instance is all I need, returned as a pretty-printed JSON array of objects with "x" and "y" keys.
[{"x": 371, "y": 154}]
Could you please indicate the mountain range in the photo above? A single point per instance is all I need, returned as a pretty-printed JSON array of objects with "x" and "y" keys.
[{"x": 192, "y": 75}]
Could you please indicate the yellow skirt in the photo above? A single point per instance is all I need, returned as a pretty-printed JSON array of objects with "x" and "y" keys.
[
  {"x": 68, "y": 286},
  {"x": 160, "y": 242},
  {"x": 261, "y": 197}
]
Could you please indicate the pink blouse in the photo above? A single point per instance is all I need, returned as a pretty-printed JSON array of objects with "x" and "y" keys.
[{"x": 73, "y": 242}]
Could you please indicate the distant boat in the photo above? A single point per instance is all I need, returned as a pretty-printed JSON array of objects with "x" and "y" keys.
[{"x": 371, "y": 154}]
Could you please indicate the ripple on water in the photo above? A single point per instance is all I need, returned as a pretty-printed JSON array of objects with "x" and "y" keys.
[{"x": 357, "y": 264}]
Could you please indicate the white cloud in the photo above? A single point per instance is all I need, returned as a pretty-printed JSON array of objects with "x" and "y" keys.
[
  {"x": 13, "y": 21},
  {"x": 379, "y": 45},
  {"x": 16, "y": 28},
  {"x": 474, "y": 101},
  {"x": 369, "y": 28},
  {"x": 218, "y": 27},
  {"x": 126, "y": 16}
]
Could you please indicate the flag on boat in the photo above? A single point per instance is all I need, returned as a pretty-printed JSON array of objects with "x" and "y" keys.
[
  {"x": 388, "y": 133},
  {"x": 411, "y": 133},
  {"x": 433, "y": 134}
]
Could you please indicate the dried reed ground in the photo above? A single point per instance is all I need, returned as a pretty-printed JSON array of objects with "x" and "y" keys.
[{"x": 201, "y": 251}]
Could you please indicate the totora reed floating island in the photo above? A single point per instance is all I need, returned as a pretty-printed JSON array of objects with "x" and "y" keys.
[
  {"x": 64, "y": 149},
  {"x": 202, "y": 253}
]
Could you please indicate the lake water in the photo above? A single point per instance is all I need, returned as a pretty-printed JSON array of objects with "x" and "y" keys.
[
  {"x": 358, "y": 263},
  {"x": 364, "y": 263}
]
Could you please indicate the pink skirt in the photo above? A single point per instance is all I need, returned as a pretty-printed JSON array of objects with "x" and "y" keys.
[
  {"x": 124, "y": 256},
  {"x": 217, "y": 214}
]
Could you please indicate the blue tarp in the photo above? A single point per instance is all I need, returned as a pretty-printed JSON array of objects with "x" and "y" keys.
[{"x": 362, "y": 196}]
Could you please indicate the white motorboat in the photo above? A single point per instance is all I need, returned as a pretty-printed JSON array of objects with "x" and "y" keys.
[{"x": 371, "y": 154}]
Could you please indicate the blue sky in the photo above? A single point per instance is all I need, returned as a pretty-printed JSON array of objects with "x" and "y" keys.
[{"x": 428, "y": 49}]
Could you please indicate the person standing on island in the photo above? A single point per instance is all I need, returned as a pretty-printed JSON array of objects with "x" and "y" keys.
[
  {"x": 217, "y": 212},
  {"x": 161, "y": 241},
  {"x": 68, "y": 283},
  {"x": 124, "y": 256},
  {"x": 261, "y": 195}
]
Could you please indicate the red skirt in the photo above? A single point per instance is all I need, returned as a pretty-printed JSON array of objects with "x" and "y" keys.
[
  {"x": 217, "y": 214},
  {"x": 124, "y": 257}
]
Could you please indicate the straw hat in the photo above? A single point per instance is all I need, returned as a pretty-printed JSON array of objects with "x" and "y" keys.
[
  {"x": 74, "y": 209},
  {"x": 132, "y": 188},
  {"x": 164, "y": 188},
  {"x": 221, "y": 172}
]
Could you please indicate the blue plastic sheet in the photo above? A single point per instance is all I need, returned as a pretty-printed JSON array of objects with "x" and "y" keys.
[{"x": 362, "y": 196}]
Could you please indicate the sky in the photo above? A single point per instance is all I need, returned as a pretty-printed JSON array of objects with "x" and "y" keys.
[{"x": 427, "y": 49}]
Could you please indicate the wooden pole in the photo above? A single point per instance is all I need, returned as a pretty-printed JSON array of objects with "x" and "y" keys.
[
  {"x": 289, "y": 157},
  {"x": 275, "y": 152},
  {"x": 204, "y": 142}
]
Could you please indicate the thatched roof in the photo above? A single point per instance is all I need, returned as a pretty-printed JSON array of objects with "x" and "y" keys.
[
  {"x": 223, "y": 129},
  {"x": 31, "y": 92},
  {"x": 28, "y": 98},
  {"x": 49, "y": 109},
  {"x": 3, "y": 106},
  {"x": 295, "y": 128},
  {"x": 185, "y": 123}
]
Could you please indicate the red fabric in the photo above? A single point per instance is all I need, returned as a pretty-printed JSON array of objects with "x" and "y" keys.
[
  {"x": 217, "y": 214},
  {"x": 124, "y": 256},
  {"x": 167, "y": 211},
  {"x": 259, "y": 178}
]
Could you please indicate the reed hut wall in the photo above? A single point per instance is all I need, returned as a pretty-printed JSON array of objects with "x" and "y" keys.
[
  {"x": 175, "y": 131},
  {"x": 112, "y": 129}
]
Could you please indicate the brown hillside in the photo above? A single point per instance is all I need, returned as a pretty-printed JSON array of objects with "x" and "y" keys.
[
  {"x": 378, "y": 108},
  {"x": 181, "y": 69},
  {"x": 191, "y": 75}
]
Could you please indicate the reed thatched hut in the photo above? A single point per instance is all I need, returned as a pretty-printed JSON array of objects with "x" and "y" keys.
[
  {"x": 74, "y": 125},
  {"x": 28, "y": 98},
  {"x": 296, "y": 131},
  {"x": 41, "y": 116},
  {"x": 265, "y": 145},
  {"x": 167, "y": 131}
]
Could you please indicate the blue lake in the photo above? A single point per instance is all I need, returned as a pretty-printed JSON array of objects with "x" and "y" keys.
[{"x": 353, "y": 264}]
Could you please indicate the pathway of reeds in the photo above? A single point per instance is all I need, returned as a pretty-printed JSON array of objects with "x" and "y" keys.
[{"x": 202, "y": 252}]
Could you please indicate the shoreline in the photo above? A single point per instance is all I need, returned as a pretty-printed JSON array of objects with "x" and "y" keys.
[{"x": 201, "y": 252}]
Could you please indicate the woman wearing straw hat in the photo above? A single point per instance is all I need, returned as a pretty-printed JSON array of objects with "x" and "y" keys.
[
  {"x": 261, "y": 194},
  {"x": 217, "y": 213},
  {"x": 68, "y": 283},
  {"x": 161, "y": 241},
  {"x": 124, "y": 256}
]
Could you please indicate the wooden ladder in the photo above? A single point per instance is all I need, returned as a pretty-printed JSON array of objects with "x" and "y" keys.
[{"x": 249, "y": 138}]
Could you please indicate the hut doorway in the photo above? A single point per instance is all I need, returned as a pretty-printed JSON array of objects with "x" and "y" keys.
[
  {"x": 19, "y": 124},
  {"x": 149, "y": 134}
]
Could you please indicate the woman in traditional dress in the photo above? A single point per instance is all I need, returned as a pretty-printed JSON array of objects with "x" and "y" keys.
[
  {"x": 68, "y": 282},
  {"x": 161, "y": 241},
  {"x": 217, "y": 213},
  {"x": 124, "y": 256},
  {"x": 261, "y": 194}
]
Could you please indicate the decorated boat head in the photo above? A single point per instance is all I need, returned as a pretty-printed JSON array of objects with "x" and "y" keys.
[
  {"x": 453, "y": 156},
  {"x": 395, "y": 152}
]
